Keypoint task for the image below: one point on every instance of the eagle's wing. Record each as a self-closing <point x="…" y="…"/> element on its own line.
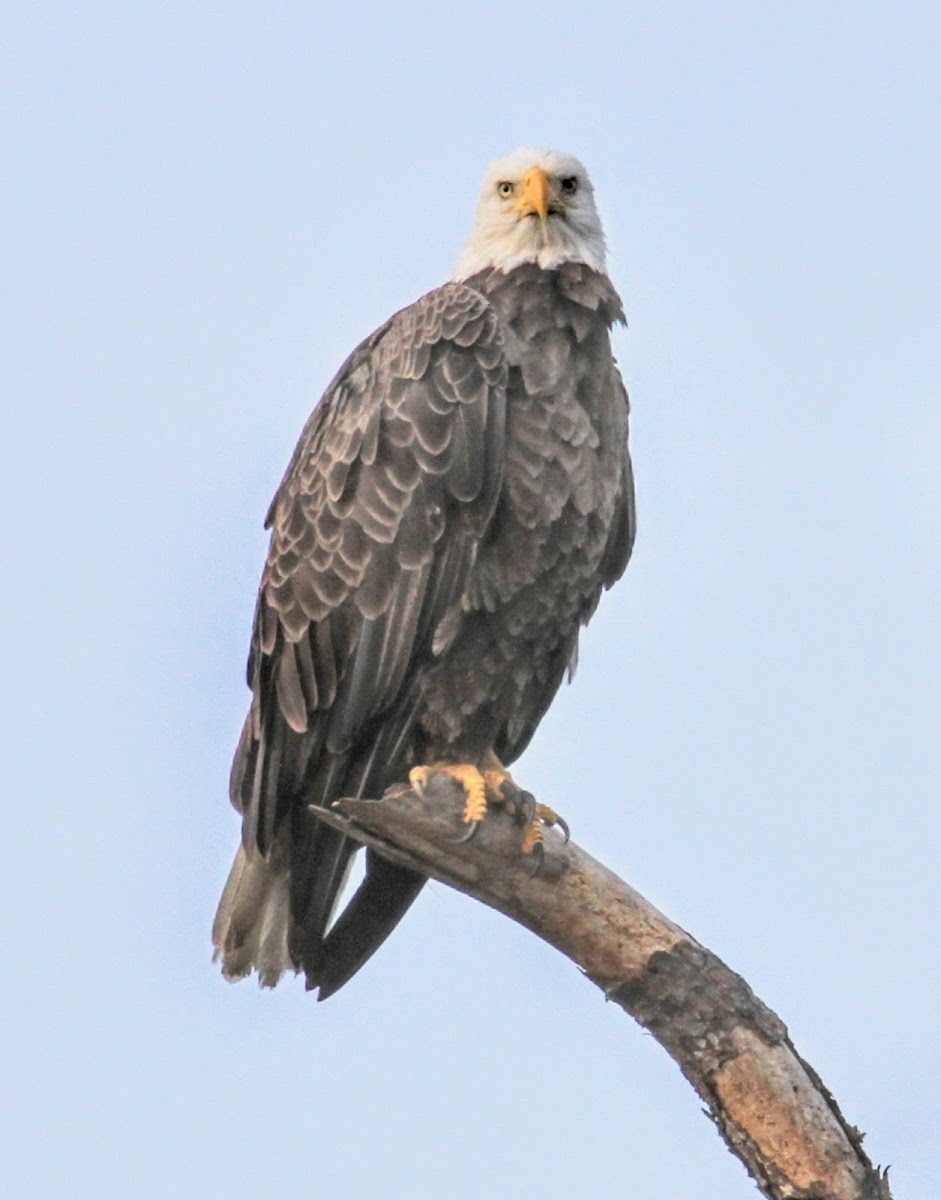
<point x="624" y="528"/>
<point x="374" y="531"/>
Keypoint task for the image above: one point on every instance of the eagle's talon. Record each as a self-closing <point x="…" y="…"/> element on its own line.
<point x="522" y="803"/>
<point x="529" y="807"/>
<point x="468" y="834"/>
<point x="418" y="779"/>
<point x="549" y="817"/>
<point x="538" y="853"/>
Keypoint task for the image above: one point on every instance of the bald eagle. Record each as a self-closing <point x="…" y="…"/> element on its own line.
<point x="456" y="504"/>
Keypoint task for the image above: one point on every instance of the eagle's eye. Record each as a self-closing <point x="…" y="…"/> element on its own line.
<point x="505" y="189"/>
<point x="569" y="185"/>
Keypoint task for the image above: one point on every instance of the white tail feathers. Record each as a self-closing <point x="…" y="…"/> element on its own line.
<point x="250" y="932"/>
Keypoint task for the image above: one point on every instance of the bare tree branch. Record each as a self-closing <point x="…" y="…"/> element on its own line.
<point x="768" y="1104"/>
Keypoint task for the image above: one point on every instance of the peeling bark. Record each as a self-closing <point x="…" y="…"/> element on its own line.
<point x="770" y="1107"/>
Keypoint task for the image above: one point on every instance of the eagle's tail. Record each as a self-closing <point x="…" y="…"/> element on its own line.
<point x="278" y="910"/>
<point x="254" y="930"/>
<point x="250" y="931"/>
<point x="380" y="902"/>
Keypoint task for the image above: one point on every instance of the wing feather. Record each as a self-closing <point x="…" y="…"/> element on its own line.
<point x="624" y="530"/>
<point x="374" y="530"/>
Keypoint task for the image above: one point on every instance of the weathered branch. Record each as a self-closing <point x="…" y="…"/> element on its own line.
<point x="768" y="1104"/>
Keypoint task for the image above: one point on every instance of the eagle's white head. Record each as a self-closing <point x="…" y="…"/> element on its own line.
<point x="535" y="206"/>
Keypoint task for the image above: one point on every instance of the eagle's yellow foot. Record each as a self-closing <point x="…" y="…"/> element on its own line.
<point x="494" y="785"/>
<point x="476" y="785"/>
<point x="494" y="779"/>
<point x="534" y="837"/>
<point x="505" y="792"/>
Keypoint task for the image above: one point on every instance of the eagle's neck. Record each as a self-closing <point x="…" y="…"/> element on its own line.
<point x="531" y="241"/>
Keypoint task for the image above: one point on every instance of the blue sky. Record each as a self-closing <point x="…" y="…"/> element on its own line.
<point x="206" y="207"/>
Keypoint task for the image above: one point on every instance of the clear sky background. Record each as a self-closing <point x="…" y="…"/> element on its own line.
<point x="204" y="208"/>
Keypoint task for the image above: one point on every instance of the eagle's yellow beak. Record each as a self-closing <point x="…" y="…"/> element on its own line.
<point x="535" y="197"/>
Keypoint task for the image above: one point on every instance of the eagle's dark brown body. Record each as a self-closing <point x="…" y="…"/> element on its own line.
<point x="564" y="523"/>
<point x="454" y="508"/>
